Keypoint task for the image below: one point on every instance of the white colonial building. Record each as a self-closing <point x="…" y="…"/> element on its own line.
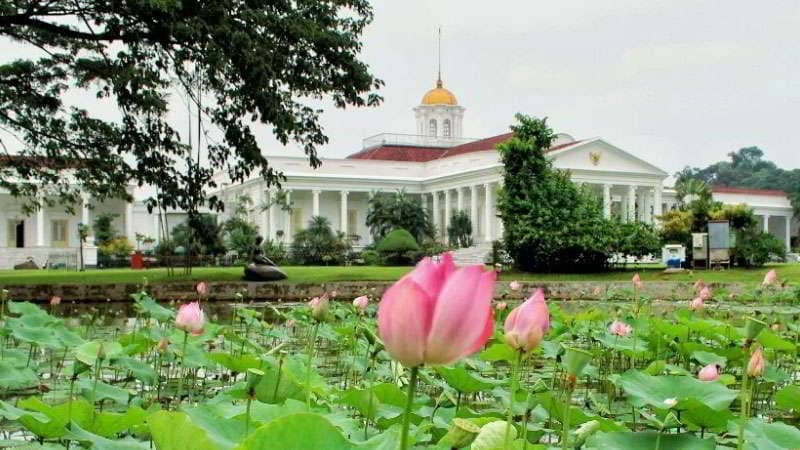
<point x="445" y="170"/>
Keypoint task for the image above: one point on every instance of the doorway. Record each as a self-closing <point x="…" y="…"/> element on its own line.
<point x="16" y="233"/>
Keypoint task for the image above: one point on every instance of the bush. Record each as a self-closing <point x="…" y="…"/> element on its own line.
<point x="371" y="258"/>
<point x="240" y="235"/>
<point x="550" y="223"/>
<point x="637" y="239"/>
<point x="754" y="248"/>
<point x="398" y="248"/>
<point x="390" y="212"/>
<point x="275" y="251"/>
<point x="318" y="244"/>
<point x="118" y="247"/>
<point x="460" y="230"/>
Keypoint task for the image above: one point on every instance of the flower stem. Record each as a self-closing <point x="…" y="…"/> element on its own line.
<point x="412" y="387"/>
<point x="514" y="387"/>
<point x="744" y="407"/>
<point x="565" y="428"/>
<point x="311" y="347"/>
<point x="183" y="363"/>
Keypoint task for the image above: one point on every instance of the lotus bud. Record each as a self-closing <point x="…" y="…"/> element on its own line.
<point x="697" y="304"/>
<point x="527" y="324"/>
<point x="319" y="307"/>
<point x="202" y="288"/>
<point x="770" y="278"/>
<point x="501" y="306"/>
<point x="637" y="281"/>
<point x="361" y="303"/>
<point x="462" y="433"/>
<point x="515" y="285"/>
<point x="162" y="345"/>
<point x="190" y="318"/>
<point x="709" y="373"/>
<point x="55" y="300"/>
<point x="757" y="363"/>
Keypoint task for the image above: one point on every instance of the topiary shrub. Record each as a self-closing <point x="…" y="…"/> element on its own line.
<point x="398" y="247"/>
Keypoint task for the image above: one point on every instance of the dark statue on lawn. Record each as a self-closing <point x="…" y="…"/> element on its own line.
<point x="260" y="268"/>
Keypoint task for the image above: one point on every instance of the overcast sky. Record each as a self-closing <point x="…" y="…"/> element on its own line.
<point x="674" y="82"/>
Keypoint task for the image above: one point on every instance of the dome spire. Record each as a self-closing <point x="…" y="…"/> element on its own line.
<point x="439" y="77"/>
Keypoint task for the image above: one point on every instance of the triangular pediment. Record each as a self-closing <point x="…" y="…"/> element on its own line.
<point x="599" y="155"/>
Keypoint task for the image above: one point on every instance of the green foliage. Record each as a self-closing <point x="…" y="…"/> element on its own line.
<point x="740" y="217"/>
<point x="676" y="227"/>
<point x="104" y="230"/>
<point x="398" y="210"/>
<point x="398" y="248"/>
<point x="118" y="247"/>
<point x="242" y="65"/>
<point x="550" y="223"/>
<point x="318" y="244"/>
<point x="201" y="236"/>
<point x="240" y="235"/>
<point x="755" y="248"/>
<point x="460" y="230"/>
<point x="637" y="239"/>
<point x="275" y="251"/>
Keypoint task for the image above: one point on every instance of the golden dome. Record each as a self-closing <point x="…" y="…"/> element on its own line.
<point x="439" y="96"/>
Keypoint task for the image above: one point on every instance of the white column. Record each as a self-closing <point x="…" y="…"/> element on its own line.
<point x="631" y="204"/>
<point x="315" y="202"/>
<point x="766" y="223"/>
<point x="271" y="225"/>
<point x="263" y="201"/>
<point x="287" y="233"/>
<point x="644" y="206"/>
<point x="129" y="221"/>
<point x="488" y="212"/>
<point x="459" y="199"/>
<point x="85" y="209"/>
<point x="446" y="213"/>
<point x="40" y="224"/>
<point x="657" y="203"/>
<point x="343" y="211"/>
<point x="788" y="235"/>
<point x="436" y="214"/>
<point x="606" y="201"/>
<point x="473" y="210"/>
<point x="156" y="227"/>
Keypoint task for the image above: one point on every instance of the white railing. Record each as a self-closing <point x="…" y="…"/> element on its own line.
<point x="412" y="140"/>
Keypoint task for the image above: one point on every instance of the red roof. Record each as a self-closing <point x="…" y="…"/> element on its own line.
<point x="424" y="154"/>
<point x="736" y="190"/>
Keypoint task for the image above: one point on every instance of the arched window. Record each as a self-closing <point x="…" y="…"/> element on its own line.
<point x="446" y="128"/>
<point x="432" y="128"/>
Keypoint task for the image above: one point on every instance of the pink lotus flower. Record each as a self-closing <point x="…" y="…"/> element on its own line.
<point x="709" y="373"/>
<point x="437" y="314"/>
<point x="55" y="300"/>
<point x="515" y="285"/>
<point x="334" y="294"/>
<point x="162" y="345"/>
<point x="501" y="306"/>
<point x="319" y="306"/>
<point x="705" y="293"/>
<point x="361" y="303"/>
<point x="621" y="329"/>
<point x="770" y="278"/>
<point x="527" y="324"/>
<point x="699" y="284"/>
<point x="757" y="363"/>
<point x="637" y="281"/>
<point x="202" y="288"/>
<point x="190" y="319"/>
<point x="697" y="304"/>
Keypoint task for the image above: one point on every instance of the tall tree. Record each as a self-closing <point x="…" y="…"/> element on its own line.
<point x="240" y="63"/>
<point x="398" y="211"/>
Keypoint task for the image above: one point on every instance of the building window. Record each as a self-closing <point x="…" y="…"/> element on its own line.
<point x="446" y="128"/>
<point x="60" y="235"/>
<point x="15" y="233"/>
<point x="432" y="128"/>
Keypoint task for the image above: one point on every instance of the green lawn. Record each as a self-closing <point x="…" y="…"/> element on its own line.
<point x="302" y="274"/>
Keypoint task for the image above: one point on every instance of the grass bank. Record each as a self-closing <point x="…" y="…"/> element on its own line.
<point x="306" y="274"/>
